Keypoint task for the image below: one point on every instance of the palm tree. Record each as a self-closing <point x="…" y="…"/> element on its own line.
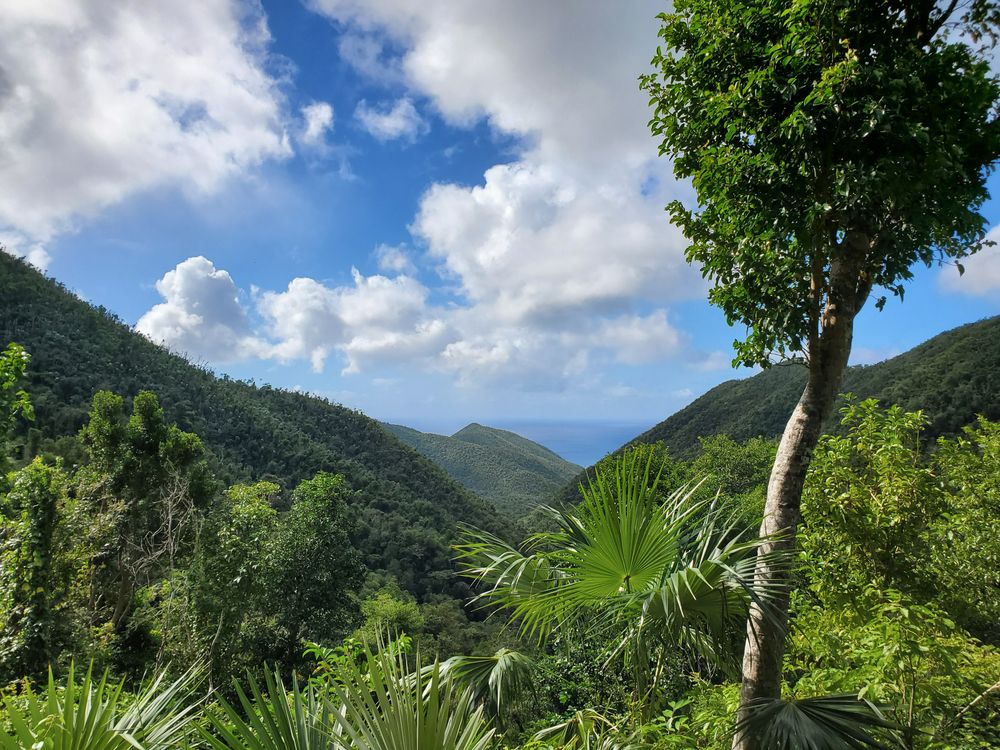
<point x="384" y="705"/>
<point x="272" y="719"/>
<point x="497" y="681"/>
<point x="654" y="572"/>
<point x="97" y="715"/>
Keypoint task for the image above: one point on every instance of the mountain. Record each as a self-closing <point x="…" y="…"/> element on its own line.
<point x="951" y="377"/>
<point x="409" y="507"/>
<point x="512" y="472"/>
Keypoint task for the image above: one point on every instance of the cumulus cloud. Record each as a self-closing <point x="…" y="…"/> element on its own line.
<point x="561" y="71"/>
<point x="16" y="244"/>
<point x="201" y="314"/>
<point x="99" y="101"/>
<point x="555" y="264"/>
<point x="378" y="322"/>
<point x="376" y="319"/>
<point x="317" y="119"/>
<point x="562" y="256"/>
<point x="982" y="271"/>
<point x="530" y="245"/>
<point x="399" y="121"/>
<point x="394" y="258"/>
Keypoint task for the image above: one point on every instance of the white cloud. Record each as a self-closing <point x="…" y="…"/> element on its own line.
<point x="19" y="246"/>
<point x="377" y="319"/>
<point x="982" y="271"/>
<point x="201" y="314"/>
<point x="394" y="258"/>
<point x="636" y="339"/>
<point x="532" y="246"/>
<point x="366" y="54"/>
<point x="561" y="71"/>
<point x="378" y="322"/>
<point x="559" y="256"/>
<point x="99" y="101"/>
<point x="558" y="263"/>
<point x="387" y="123"/>
<point x="317" y="120"/>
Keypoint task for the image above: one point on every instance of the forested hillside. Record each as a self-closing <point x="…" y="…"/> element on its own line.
<point x="510" y="471"/>
<point x="951" y="378"/>
<point x="409" y="506"/>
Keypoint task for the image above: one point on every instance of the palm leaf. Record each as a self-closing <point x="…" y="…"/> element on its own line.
<point x="833" y="722"/>
<point x="626" y="561"/>
<point x="386" y="706"/>
<point x="586" y="729"/>
<point x="90" y="715"/>
<point x="271" y="719"/>
<point x="497" y="679"/>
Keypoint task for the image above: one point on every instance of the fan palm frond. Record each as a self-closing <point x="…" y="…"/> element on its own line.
<point x="832" y="722"/>
<point x="497" y="679"/>
<point x="626" y="558"/>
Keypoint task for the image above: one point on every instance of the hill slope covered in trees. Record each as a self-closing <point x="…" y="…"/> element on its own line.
<point x="512" y="472"/>
<point x="951" y="377"/>
<point x="410" y="507"/>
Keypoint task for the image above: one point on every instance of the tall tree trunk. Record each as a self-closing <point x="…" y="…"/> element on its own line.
<point x="830" y="350"/>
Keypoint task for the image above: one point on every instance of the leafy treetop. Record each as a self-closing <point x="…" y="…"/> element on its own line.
<point x="807" y="125"/>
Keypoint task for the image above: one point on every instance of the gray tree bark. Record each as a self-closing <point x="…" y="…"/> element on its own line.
<point x="829" y="351"/>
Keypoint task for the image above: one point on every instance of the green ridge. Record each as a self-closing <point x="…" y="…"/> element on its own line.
<point x="951" y="377"/>
<point x="409" y="507"/>
<point x="512" y="472"/>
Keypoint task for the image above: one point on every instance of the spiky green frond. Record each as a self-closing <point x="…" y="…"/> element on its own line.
<point x="384" y="705"/>
<point x="586" y="729"/>
<point x="272" y="719"/>
<point x="95" y="714"/>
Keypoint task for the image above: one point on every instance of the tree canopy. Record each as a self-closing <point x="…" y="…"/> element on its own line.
<point x="810" y="128"/>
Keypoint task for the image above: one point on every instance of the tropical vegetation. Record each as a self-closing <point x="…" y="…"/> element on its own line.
<point x="195" y="562"/>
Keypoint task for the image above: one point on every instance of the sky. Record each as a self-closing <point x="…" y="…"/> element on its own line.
<point x="435" y="212"/>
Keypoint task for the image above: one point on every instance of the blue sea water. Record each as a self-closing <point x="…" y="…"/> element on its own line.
<point x="581" y="442"/>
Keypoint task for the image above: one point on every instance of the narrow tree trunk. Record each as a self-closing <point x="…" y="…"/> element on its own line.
<point x="123" y="601"/>
<point x="830" y="350"/>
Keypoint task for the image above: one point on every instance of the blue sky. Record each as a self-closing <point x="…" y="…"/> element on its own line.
<point x="436" y="212"/>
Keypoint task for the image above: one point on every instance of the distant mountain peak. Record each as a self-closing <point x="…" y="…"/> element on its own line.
<point x="516" y="474"/>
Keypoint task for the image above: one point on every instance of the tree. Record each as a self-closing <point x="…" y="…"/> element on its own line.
<point x="143" y="482"/>
<point x="832" y="146"/>
<point x="27" y="637"/>
<point x="14" y="401"/>
<point x="318" y="569"/>
<point x="652" y="574"/>
<point x="231" y="574"/>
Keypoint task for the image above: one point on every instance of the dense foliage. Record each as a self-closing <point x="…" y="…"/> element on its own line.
<point x="510" y="471"/>
<point x="951" y="378"/>
<point x="625" y="615"/>
<point x="407" y="508"/>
